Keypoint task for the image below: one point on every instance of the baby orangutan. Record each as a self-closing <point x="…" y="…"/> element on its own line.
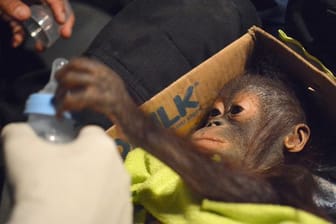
<point x="254" y="122"/>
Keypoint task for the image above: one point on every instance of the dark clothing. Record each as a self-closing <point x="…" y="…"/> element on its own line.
<point x="313" y="24"/>
<point x="150" y="44"/>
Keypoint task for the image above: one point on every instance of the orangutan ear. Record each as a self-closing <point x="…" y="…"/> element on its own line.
<point x="296" y="140"/>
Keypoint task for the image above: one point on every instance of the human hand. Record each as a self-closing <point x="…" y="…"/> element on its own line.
<point x="15" y="12"/>
<point x="80" y="182"/>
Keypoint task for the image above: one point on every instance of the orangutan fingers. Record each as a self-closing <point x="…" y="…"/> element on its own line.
<point x="85" y="65"/>
<point x="74" y="79"/>
<point x="79" y="99"/>
<point x="95" y="68"/>
<point x="73" y="66"/>
<point x="69" y="101"/>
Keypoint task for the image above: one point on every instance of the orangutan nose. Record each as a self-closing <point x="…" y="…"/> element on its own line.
<point x="214" y="122"/>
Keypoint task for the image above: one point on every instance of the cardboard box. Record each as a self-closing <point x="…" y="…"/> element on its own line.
<point x="182" y="105"/>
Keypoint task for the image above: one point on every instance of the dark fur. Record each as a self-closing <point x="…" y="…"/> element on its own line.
<point x="261" y="176"/>
<point x="264" y="176"/>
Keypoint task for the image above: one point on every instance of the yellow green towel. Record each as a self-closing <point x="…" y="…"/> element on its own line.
<point x="162" y="193"/>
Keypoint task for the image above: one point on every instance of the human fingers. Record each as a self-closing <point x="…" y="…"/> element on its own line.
<point x="39" y="46"/>
<point x="18" y="33"/>
<point x="17" y="30"/>
<point x="64" y="16"/>
<point x="58" y="9"/>
<point x="66" y="28"/>
<point x="15" y="9"/>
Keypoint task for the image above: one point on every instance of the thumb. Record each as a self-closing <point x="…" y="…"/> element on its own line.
<point x="15" y="9"/>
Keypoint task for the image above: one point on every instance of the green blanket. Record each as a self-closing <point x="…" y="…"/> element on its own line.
<point x="162" y="193"/>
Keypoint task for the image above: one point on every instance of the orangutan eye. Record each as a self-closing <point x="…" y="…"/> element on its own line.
<point x="236" y="109"/>
<point x="214" y="112"/>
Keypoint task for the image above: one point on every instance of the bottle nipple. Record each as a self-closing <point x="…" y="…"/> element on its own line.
<point x="51" y="86"/>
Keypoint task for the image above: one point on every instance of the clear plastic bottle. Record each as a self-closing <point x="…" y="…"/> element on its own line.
<point x="41" y="112"/>
<point x="42" y="25"/>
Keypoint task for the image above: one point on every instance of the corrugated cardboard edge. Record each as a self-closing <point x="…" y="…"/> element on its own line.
<point x="295" y="64"/>
<point x="205" y="80"/>
<point x="206" y="83"/>
<point x="298" y="59"/>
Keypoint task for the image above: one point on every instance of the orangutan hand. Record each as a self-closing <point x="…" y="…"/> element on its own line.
<point x="88" y="84"/>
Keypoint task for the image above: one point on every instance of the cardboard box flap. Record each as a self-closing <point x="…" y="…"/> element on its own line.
<point x="320" y="85"/>
<point x="184" y="103"/>
<point x="201" y="86"/>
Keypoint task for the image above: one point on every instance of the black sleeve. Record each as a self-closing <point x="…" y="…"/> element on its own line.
<point x="152" y="43"/>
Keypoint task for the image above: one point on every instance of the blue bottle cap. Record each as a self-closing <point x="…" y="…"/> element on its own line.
<point x="41" y="103"/>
